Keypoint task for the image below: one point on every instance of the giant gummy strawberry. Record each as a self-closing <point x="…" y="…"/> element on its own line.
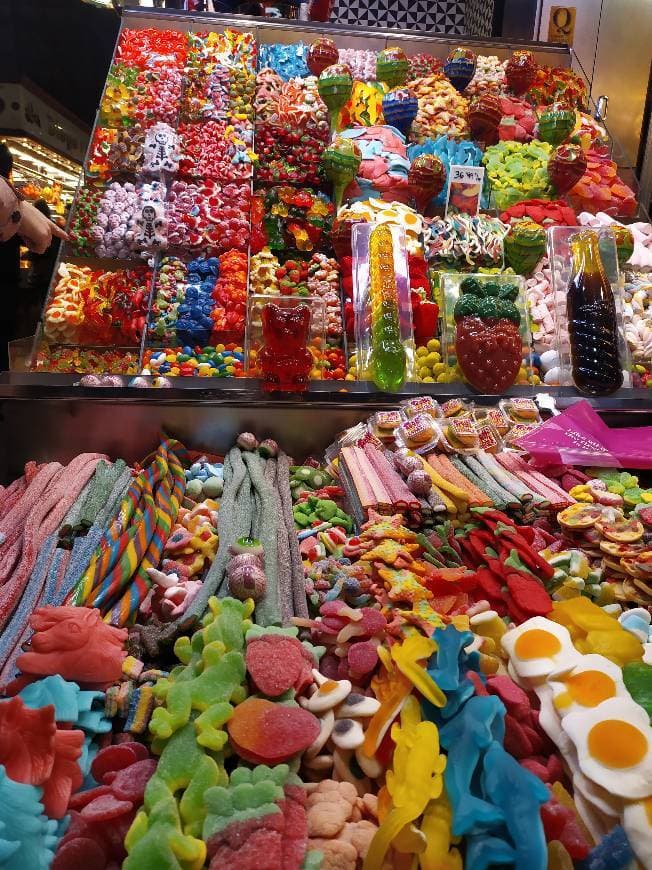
<point x="488" y="342"/>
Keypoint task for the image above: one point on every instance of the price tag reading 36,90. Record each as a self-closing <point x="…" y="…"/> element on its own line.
<point x="464" y="189"/>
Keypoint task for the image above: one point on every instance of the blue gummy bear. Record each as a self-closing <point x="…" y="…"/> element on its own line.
<point x="466" y="737"/>
<point x="611" y="853"/>
<point x="28" y="839"/>
<point x="519" y="795"/>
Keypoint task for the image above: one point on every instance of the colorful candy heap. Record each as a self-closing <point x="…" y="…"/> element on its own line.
<point x="455" y="676"/>
<point x="90" y="306"/>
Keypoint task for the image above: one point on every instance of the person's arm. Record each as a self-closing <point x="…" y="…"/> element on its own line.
<point x="21" y="217"/>
<point x="10" y="211"/>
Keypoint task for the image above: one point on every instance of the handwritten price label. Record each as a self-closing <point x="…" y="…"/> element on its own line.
<point x="464" y="189"/>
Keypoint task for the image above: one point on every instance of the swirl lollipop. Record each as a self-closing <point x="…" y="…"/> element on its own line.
<point x="400" y="108"/>
<point x="520" y="72"/>
<point x="567" y="164"/>
<point x="340" y="161"/>
<point x="485" y="114"/>
<point x="392" y="67"/>
<point x="335" y="86"/>
<point x="556" y="124"/>
<point x="321" y="54"/>
<point x="341" y="235"/>
<point x="426" y="180"/>
<point x="459" y="68"/>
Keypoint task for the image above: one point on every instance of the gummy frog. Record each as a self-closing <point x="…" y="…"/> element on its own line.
<point x="285" y="360"/>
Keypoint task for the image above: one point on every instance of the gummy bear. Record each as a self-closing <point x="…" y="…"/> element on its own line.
<point x="285" y="360"/>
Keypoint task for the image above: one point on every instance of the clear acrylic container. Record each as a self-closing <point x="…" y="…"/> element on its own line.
<point x="450" y="283"/>
<point x="559" y="256"/>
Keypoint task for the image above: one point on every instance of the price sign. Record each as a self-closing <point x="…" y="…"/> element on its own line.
<point x="561" y="24"/>
<point x="464" y="189"/>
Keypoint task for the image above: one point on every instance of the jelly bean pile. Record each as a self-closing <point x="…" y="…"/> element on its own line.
<point x="293" y="665"/>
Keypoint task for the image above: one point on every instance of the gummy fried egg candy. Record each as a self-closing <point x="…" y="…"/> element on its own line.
<point x="637" y="822"/>
<point x="614" y="746"/>
<point x="593" y="680"/>
<point x="537" y="648"/>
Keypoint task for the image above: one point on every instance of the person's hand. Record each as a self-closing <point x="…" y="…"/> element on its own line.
<point x="36" y="230"/>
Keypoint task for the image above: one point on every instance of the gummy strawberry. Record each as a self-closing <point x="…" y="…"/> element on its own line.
<point x="488" y="342"/>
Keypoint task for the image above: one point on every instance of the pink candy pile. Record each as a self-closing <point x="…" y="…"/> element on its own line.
<point x="207" y="216"/>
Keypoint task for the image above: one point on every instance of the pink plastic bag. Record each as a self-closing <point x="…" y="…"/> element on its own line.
<point x="578" y="436"/>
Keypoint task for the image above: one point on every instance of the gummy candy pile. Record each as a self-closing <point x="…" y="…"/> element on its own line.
<point x="402" y="652"/>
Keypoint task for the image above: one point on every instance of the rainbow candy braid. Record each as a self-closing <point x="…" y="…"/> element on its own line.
<point x="168" y="499"/>
<point x="111" y="546"/>
<point x="122" y="555"/>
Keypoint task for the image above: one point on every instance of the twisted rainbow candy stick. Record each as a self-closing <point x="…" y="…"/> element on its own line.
<point x="151" y="504"/>
<point x="388" y="359"/>
<point x="168" y="499"/>
<point x="113" y="544"/>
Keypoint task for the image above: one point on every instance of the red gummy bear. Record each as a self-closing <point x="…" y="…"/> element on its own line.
<point x="285" y="360"/>
<point x="75" y="643"/>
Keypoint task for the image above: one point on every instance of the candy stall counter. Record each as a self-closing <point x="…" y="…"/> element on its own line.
<point x="233" y="159"/>
<point x="325" y="538"/>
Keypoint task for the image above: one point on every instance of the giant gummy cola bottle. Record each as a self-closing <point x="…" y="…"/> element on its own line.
<point x="592" y="325"/>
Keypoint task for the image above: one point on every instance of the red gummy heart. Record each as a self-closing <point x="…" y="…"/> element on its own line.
<point x="130" y="782"/>
<point x="112" y="758"/>
<point x="104" y="808"/>
<point x="278" y="663"/>
<point x="80" y="852"/>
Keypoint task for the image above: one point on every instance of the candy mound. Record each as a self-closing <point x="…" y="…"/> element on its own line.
<point x="441" y="109"/>
<point x="383" y="172"/>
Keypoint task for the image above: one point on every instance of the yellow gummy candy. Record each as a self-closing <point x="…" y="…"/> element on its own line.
<point x="415" y="780"/>
<point x="409" y="656"/>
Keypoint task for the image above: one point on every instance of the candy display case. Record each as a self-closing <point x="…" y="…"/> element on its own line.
<point x="210" y="163"/>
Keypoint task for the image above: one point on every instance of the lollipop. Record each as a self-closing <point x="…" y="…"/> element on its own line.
<point x="341" y="235"/>
<point x="321" y="54"/>
<point x="485" y="114"/>
<point x="426" y="180"/>
<point x="624" y="243"/>
<point x="525" y="244"/>
<point x="567" y="164"/>
<point x="520" y="71"/>
<point x="556" y="124"/>
<point x="392" y="67"/>
<point x="335" y="86"/>
<point x="460" y="67"/>
<point x="400" y="108"/>
<point x="341" y="160"/>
